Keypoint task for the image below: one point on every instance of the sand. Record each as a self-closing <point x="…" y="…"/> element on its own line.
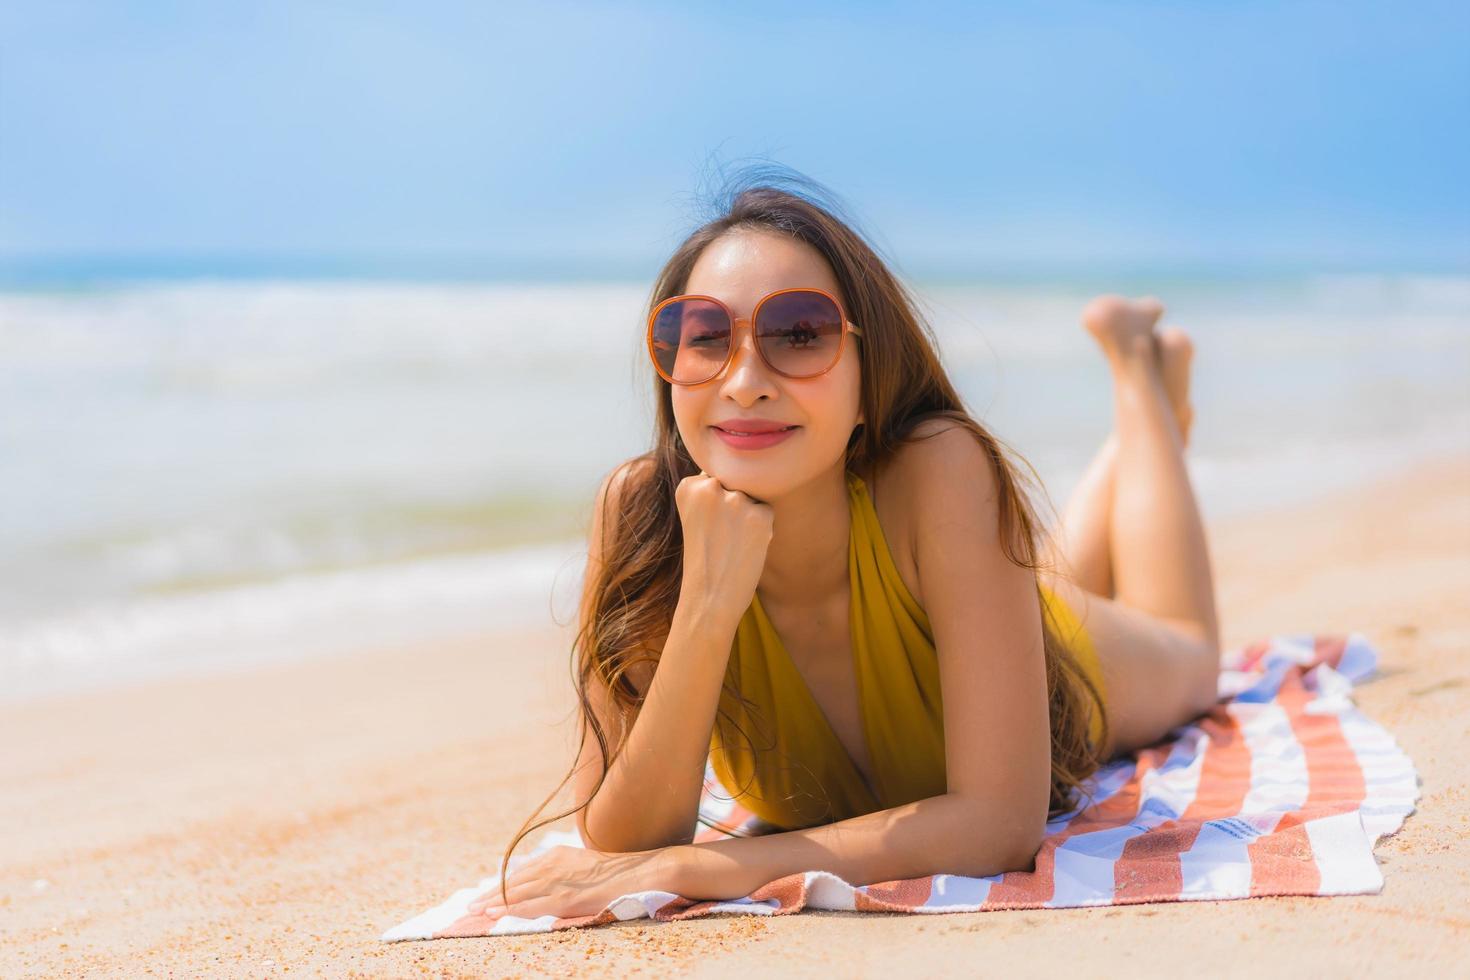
<point x="277" y="820"/>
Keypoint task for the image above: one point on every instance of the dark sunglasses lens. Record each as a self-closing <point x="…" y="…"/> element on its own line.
<point x="691" y="339"/>
<point x="800" y="332"/>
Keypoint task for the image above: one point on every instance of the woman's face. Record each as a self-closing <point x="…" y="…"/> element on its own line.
<point x="740" y="268"/>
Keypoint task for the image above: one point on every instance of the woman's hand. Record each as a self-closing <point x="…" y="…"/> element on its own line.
<point x="726" y="534"/>
<point x="573" y="881"/>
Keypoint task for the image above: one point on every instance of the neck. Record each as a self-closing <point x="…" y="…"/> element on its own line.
<point x="806" y="560"/>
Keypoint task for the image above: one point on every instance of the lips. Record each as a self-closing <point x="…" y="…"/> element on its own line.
<point x="752" y="427"/>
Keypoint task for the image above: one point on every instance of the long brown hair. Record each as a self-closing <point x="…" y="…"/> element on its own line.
<point x="631" y="601"/>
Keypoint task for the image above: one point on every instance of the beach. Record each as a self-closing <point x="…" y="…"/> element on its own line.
<point x="274" y="819"/>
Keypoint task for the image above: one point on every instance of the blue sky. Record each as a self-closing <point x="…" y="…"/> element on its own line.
<point x="962" y="136"/>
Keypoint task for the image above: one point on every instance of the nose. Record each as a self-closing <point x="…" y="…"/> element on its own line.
<point x="746" y="376"/>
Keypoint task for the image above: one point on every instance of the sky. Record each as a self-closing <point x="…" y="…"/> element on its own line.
<point x="470" y="137"/>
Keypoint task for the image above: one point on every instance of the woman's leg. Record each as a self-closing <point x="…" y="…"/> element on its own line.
<point x="1085" y="532"/>
<point x="1157" y="639"/>
<point x="1160" y="560"/>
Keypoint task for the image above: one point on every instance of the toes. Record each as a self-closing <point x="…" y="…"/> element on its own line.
<point x="1176" y="350"/>
<point x="1113" y="312"/>
<point x="1173" y="341"/>
<point x="1103" y="311"/>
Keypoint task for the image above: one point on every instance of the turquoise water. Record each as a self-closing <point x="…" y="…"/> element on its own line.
<point x="203" y="471"/>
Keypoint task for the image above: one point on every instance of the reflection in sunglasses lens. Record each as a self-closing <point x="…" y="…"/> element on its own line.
<point x="691" y="339"/>
<point x="799" y="332"/>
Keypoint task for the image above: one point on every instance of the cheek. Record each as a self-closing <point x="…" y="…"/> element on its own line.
<point x="852" y="391"/>
<point x="688" y="410"/>
<point x="835" y="410"/>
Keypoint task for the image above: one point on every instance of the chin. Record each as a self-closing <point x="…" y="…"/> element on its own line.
<point x="748" y="478"/>
<point x="763" y="479"/>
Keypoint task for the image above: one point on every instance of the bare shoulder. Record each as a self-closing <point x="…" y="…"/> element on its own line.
<point x="610" y="493"/>
<point x="940" y="438"/>
<point x="608" y="512"/>
<point x="942" y="460"/>
<point x="610" y="506"/>
<point x="939" y="476"/>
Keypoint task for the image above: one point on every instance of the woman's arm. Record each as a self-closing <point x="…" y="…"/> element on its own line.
<point x="650" y="797"/>
<point x="943" y="834"/>
<point x="939" y="834"/>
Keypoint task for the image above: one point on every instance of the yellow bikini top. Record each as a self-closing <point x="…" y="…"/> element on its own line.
<point x="790" y="768"/>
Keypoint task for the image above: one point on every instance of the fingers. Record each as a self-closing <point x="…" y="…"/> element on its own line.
<point x="514" y="891"/>
<point x="521" y="910"/>
<point x="483" y="902"/>
<point x="563" y="907"/>
<point x="526" y="908"/>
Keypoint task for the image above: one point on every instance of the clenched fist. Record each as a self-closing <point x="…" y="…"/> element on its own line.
<point x="726" y="534"/>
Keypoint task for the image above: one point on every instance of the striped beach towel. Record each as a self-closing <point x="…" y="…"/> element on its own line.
<point x="1283" y="788"/>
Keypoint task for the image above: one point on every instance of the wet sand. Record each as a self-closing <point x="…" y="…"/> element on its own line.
<point x="275" y="821"/>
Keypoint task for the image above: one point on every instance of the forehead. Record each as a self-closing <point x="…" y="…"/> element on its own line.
<point x="742" y="266"/>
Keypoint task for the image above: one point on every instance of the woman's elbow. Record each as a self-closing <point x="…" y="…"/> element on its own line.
<point x="1012" y="848"/>
<point x="1022" y="856"/>
<point x="1026" y="841"/>
<point x="1010" y="855"/>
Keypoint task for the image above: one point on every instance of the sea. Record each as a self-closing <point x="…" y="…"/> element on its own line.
<point x="206" y="474"/>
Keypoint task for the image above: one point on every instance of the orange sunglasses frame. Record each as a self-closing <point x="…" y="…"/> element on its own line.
<point x="847" y="327"/>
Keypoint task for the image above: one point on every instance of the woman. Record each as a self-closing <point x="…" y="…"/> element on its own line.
<point x="858" y="619"/>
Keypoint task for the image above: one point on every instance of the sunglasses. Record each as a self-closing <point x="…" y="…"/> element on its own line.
<point x="799" y="333"/>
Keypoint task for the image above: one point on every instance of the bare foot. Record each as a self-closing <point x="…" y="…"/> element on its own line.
<point x="1124" y="329"/>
